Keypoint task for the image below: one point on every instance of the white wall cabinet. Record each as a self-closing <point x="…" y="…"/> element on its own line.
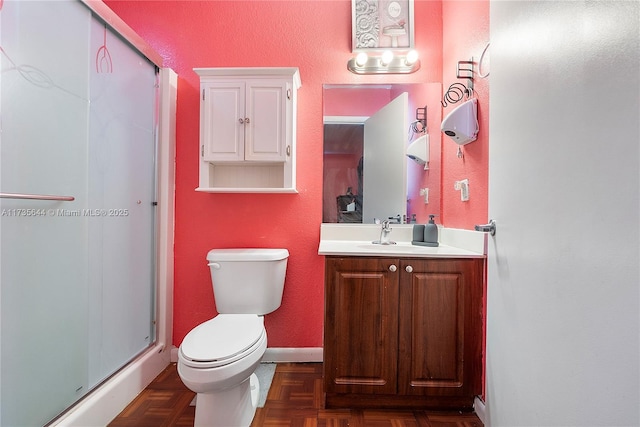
<point x="248" y="129"/>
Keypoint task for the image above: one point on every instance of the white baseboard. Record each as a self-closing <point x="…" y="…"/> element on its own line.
<point x="290" y="354"/>
<point x="479" y="408"/>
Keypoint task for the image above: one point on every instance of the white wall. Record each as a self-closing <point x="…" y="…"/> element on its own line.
<point x="563" y="293"/>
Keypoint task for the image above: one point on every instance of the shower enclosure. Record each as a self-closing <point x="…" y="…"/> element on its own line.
<point x="78" y="198"/>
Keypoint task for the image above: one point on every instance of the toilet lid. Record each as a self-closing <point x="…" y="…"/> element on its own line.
<point x="247" y="254"/>
<point x="222" y="337"/>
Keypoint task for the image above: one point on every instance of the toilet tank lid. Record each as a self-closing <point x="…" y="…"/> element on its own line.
<point x="247" y="254"/>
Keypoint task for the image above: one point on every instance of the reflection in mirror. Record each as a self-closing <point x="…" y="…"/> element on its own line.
<point x="343" y="167"/>
<point x="367" y="175"/>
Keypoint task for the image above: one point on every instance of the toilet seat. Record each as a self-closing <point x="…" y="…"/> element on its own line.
<point x="222" y="340"/>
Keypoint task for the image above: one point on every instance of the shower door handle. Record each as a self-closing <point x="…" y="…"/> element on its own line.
<point x="36" y="197"/>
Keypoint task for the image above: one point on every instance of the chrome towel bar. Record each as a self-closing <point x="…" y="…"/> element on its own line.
<point x="36" y="197"/>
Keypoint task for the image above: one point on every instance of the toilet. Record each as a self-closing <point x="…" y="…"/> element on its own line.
<point x="217" y="359"/>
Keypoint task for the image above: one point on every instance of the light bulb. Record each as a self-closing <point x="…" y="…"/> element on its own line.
<point x="386" y="58"/>
<point x="412" y="57"/>
<point x="361" y="59"/>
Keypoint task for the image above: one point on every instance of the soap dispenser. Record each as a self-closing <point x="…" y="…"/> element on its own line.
<point x="431" y="232"/>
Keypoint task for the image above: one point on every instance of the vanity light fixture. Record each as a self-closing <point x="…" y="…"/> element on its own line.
<point x="386" y="62"/>
<point x="386" y="58"/>
<point x="411" y="58"/>
<point x="361" y="59"/>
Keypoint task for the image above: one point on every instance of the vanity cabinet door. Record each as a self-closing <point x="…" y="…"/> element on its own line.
<point x="440" y="347"/>
<point x="361" y="325"/>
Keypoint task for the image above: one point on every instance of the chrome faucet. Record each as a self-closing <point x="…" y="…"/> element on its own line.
<point x="384" y="234"/>
<point x="396" y="219"/>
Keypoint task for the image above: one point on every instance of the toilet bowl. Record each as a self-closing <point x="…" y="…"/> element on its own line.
<point x="217" y="359"/>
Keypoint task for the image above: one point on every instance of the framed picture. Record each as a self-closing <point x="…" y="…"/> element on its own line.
<point x="381" y="25"/>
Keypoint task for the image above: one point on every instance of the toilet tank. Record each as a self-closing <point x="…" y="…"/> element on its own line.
<point x="247" y="281"/>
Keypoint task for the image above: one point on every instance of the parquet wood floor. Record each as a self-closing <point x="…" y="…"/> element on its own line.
<point x="295" y="399"/>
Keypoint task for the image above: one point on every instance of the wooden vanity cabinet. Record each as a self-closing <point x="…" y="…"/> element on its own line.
<point x="403" y="332"/>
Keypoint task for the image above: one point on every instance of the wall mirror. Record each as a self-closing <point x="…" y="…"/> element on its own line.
<point x="367" y="174"/>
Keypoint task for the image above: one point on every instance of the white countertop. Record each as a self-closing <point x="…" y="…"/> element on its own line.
<point x="356" y="240"/>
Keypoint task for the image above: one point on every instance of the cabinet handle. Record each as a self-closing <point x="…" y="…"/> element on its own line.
<point x="246" y="120"/>
<point x="288" y="150"/>
<point x="392" y="268"/>
<point x="241" y="120"/>
<point x="288" y="93"/>
<point x="408" y="269"/>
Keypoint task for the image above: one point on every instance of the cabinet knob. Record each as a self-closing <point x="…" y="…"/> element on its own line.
<point x="246" y="120"/>
<point x="408" y="269"/>
<point x="392" y="268"/>
<point x="241" y="120"/>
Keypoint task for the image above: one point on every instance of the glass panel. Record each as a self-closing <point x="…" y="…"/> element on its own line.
<point x="76" y="277"/>
<point x="43" y="261"/>
<point x="121" y="195"/>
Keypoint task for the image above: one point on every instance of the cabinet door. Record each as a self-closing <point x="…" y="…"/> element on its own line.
<point x="361" y="326"/>
<point x="266" y="131"/>
<point x="222" y="121"/>
<point x="440" y="327"/>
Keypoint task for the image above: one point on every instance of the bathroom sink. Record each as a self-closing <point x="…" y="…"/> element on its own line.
<point x="357" y="240"/>
<point x="367" y="248"/>
<point x="379" y="246"/>
<point x="400" y="248"/>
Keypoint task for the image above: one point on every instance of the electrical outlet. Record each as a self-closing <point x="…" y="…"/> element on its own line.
<point x="463" y="187"/>
<point x="425" y="193"/>
<point x="464" y="190"/>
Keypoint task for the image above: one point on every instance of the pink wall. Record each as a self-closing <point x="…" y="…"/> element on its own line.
<point x="312" y="35"/>
<point x="208" y="34"/>
<point x="465" y="34"/>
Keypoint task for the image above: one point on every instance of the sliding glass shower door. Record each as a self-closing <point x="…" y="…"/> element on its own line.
<point x="77" y="177"/>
